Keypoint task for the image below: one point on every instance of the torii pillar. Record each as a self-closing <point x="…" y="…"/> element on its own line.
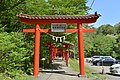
<point x="36" y="50"/>
<point x="81" y="30"/>
<point x="81" y="49"/>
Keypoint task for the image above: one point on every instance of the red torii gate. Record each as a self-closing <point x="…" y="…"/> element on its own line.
<point x="53" y="50"/>
<point x="66" y="53"/>
<point x="38" y="20"/>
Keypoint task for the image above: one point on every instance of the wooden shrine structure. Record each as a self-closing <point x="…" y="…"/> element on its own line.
<point x="54" y="52"/>
<point x="49" y="19"/>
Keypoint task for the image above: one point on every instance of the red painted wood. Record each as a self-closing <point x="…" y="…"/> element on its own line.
<point x="56" y="51"/>
<point x="67" y="57"/>
<point x="50" y="53"/>
<point x="63" y="53"/>
<point x="28" y="30"/>
<point x="67" y="30"/>
<point x="81" y="49"/>
<point x="87" y="30"/>
<point x="71" y="30"/>
<point x="36" y="50"/>
<point x="47" y="30"/>
<point x="66" y="53"/>
<point x="49" y="21"/>
<point x="53" y="51"/>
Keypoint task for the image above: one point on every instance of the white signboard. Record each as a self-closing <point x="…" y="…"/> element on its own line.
<point x="58" y="27"/>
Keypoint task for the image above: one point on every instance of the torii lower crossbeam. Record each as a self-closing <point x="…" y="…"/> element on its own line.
<point x="48" y="30"/>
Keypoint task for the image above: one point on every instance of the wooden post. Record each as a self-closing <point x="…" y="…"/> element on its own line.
<point x="36" y="50"/>
<point x="50" y="53"/>
<point x="56" y="51"/>
<point x="81" y="49"/>
<point x="67" y="56"/>
<point x="62" y="52"/>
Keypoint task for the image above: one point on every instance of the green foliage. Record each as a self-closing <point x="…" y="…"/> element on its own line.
<point x="105" y="41"/>
<point x="67" y="7"/>
<point x="117" y="28"/>
<point x="20" y="77"/>
<point x="99" y="44"/>
<point x="106" y="29"/>
<point x="13" y="54"/>
<point x="9" y="10"/>
<point x="89" y="44"/>
<point x="103" y="45"/>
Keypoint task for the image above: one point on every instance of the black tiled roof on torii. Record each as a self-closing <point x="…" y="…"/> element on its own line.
<point x="58" y="16"/>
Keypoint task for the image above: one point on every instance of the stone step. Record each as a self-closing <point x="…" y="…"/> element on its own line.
<point x="53" y="71"/>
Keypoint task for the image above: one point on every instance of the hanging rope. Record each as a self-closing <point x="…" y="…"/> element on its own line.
<point x="56" y="38"/>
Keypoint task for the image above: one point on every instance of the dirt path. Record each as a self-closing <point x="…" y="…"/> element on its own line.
<point x="60" y="72"/>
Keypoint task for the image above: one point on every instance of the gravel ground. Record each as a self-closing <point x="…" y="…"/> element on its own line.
<point x="60" y="73"/>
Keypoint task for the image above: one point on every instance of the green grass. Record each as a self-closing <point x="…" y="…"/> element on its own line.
<point x="21" y="77"/>
<point x="74" y="64"/>
<point x="88" y="71"/>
